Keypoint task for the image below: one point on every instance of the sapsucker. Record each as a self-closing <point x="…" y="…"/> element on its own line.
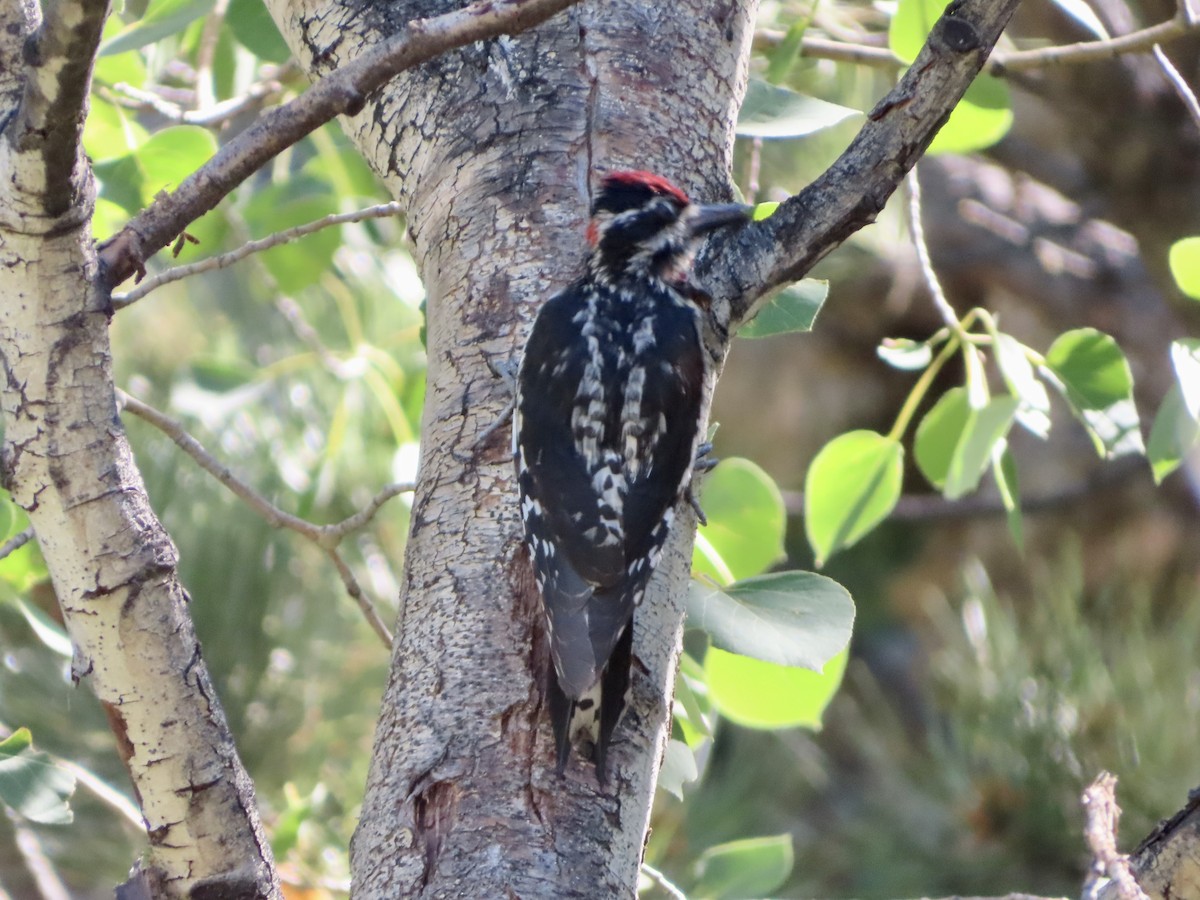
<point x="608" y="414"/>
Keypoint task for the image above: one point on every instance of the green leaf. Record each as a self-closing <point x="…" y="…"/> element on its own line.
<point x="255" y="30"/>
<point x="171" y="155"/>
<point x="905" y="354"/>
<point x="782" y="58"/>
<point x="788" y="618"/>
<point x="1004" y="470"/>
<point x="164" y="17"/>
<point x="1184" y="260"/>
<point x="1185" y="358"/>
<point x="31" y="784"/>
<point x="109" y="133"/>
<point x="757" y="694"/>
<point x="1012" y="357"/>
<point x="746" y="519"/>
<point x="692" y="708"/>
<point x="794" y="308"/>
<point x="1088" y="368"/>
<point x="297" y="264"/>
<point x="47" y="630"/>
<point x="678" y="768"/>
<point x="1091" y="367"/>
<point x="911" y="24"/>
<point x="985" y="431"/>
<point x="1174" y="434"/>
<point x="773" y="112"/>
<point x="955" y="442"/>
<point x="938" y="435"/>
<point x="753" y="867"/>
<point x="980" y="119"/>
<point x="764" y="210"/>
<point x="851" y="486"/>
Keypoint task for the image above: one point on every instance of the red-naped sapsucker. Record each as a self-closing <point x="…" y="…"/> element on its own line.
<point x="607" y="428"/>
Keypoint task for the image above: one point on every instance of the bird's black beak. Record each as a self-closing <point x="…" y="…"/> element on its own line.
<point x="709" y="218"/>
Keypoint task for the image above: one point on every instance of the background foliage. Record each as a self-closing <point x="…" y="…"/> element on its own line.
<point x="1001" y="657"/>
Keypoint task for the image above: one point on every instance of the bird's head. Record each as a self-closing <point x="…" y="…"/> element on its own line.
<point x="643" y="225"/>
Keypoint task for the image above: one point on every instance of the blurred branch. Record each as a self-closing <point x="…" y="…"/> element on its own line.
<point x="343" y="92"/>
<point x="1186" y="94"/>
<point x="16" y="542"/>
<point x="1100" y="831"/>
<point x="120" y="301"/>
<point x="662" y="882"/>
<point x="257" y="96"/>
<point x="1001" y="62"/>
<point x="327" y="537"/>
<point x="49" y="885"/>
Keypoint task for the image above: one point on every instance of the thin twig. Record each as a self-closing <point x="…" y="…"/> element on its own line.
<point x="1186" y="94"/>
<point x="16" y="542"/>
<point x="1100" y="830"/>
<point x="1001" y="62"/>
<point x="327" y="537"/>
<point x="917" y="231"/>
<point x="215" y="116"/>
<point x="662" y="882"/>
<point x="120" y="301"/>
<point x="342" y="92"/>
<point x="354" y="589"/>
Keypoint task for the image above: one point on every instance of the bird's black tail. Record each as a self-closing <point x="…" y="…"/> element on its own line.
<point x="599" y="715"/>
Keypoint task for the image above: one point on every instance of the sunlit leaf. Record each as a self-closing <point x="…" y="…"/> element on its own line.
<point x="980" y="119"/>
<point x="1184" y="260"/>
<point x="794" y="308"/>
<point x="297" y="264"/>
<point x="938" y="435"/>
<point x="911" y="24"/>
<point x="1091" y="367"/>
<point x="164" y="17"/>
<point x="1173" y="436"/>
<point x="757" y="694"/>
<point x="986" y="429"/>
<point x="754" y="867"/>
<point x="905" y="354"/>
<point x="746" y="519"/>
<point x="788" y="618"/>
<point x="110" y="132"/>
<point x="851" y="487"/>
<point x="1185" y="358"/>
<point x="770" y="111"/>
<point x="1012" y="358"/>
<point x="46" y="629"/>
<point x="1090" y="371"/>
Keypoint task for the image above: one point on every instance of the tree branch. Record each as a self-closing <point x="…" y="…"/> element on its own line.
<point x="224" y="260"/>
<point x="327" y="537"/>
<point x="343" y="92"/>
<point x="739" y="268"/>
<point x="1001" y="62"/>
<point x="47" y="133"/>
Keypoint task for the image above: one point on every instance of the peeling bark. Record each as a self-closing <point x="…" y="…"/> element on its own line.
<point x="67" y="463"/>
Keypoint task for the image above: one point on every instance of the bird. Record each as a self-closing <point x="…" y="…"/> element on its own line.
<point x="608" y="415"/>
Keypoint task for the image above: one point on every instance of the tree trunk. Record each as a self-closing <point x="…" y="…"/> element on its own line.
<point x="495" y="149"/>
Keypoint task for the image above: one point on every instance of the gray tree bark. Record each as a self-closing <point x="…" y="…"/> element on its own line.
<point x="495" y="149"/>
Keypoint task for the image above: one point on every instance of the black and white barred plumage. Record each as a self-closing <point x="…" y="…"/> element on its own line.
<point x="609" y="399"/>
